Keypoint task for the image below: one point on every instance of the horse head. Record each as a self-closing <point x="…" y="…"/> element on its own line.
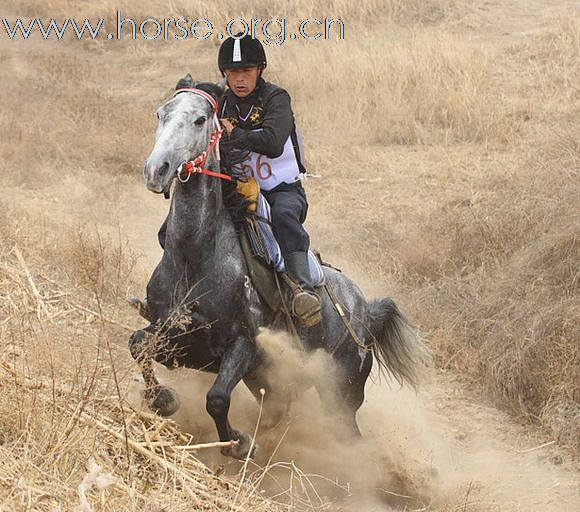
<point x="186" y="123"/>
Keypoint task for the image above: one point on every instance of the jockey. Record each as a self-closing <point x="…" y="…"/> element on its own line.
<point x="258" y="120"/>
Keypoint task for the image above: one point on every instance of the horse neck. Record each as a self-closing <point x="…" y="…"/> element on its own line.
<point x="197" y="214"/>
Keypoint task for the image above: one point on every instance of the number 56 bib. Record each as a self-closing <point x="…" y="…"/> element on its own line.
<point x="270" y="172"/>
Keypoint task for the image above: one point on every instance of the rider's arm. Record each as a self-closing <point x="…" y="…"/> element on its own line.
<point x="277" y="125"/>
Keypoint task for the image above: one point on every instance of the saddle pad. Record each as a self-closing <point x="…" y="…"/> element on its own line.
<point x="273" y="248"/>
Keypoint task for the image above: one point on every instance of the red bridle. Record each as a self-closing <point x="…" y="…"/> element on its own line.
<point x="197" y="165"/>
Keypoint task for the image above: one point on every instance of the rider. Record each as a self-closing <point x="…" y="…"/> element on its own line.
<point x="257" y="117"/>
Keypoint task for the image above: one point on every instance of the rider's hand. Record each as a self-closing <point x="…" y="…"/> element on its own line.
<point x="228" y="126"/>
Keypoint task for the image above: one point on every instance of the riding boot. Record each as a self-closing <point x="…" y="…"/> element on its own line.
<point x="306" y="304"/>
<point x="141" y="306"/>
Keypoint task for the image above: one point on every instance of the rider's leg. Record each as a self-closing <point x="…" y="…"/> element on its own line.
<point x="288" y="209"/>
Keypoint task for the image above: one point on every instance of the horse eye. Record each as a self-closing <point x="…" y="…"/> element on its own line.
<point x="199" y="121"/>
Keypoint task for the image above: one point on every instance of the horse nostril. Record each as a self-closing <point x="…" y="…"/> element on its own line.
<point x="163" y="169"/>
<point x="154" y="174"/>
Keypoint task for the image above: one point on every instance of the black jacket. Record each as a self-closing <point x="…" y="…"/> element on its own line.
<point x="268" y="107"/>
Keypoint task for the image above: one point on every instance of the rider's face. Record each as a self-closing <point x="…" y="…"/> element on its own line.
<point x="243" y="81"/>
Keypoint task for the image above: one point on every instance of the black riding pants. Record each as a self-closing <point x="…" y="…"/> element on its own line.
<point x="289" y="207"/>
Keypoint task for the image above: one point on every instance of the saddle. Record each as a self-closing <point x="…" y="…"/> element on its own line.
<point x="262" y="251"/>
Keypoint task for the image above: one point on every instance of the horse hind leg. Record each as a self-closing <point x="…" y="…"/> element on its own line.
<point x="346" y="395"/>
<point x="276" y="402"/>
<point x="340" y="406"/>
<point x="352" y="395"/>
<point x="161" y="399"/>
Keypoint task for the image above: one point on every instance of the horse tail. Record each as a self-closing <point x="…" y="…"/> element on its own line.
<point x="396" y="345"/>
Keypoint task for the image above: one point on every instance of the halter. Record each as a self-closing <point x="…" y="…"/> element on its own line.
<point x="197" y="165"/>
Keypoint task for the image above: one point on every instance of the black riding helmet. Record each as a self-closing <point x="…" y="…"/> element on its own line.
<point x="241" y="52"/>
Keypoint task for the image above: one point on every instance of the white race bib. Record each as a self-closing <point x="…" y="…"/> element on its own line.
<point x="270" y="172"/>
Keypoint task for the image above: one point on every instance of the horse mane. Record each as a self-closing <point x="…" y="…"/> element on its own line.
<point x="212" y="89"/>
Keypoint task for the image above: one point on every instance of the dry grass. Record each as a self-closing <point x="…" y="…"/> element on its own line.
<point x="420" y="87"/>
<point x="65" y="379"/>
<point x="431" y="88"/>
<point x="505" y="294"/>
<point x="401" y="11"/>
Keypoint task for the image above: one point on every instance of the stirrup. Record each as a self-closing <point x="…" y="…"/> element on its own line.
<point x="306" y="308"/>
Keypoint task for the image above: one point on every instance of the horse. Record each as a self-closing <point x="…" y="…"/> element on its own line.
<point x="205" y="313"/>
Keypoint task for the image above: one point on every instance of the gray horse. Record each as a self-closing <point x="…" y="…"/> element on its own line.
<point x="205" y="313"/>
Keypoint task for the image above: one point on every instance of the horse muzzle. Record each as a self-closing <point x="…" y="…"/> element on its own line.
<point x="157" y="177"/>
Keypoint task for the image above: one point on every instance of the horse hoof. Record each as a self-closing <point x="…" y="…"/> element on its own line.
<point x="164" y="401"/>
<point x="243" y="449"/>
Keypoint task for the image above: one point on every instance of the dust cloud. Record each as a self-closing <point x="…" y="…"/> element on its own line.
<point x="410" y="458"/>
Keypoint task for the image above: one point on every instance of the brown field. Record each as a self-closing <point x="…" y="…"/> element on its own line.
<point x="445" y="136"/>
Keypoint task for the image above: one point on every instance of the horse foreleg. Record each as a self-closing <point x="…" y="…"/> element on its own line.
<point x="161" y="399"/>
<point x="238" y="361"/>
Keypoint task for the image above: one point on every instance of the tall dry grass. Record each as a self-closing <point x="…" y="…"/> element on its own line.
<point x="417" y="87"/>
<point x="384" y="84"/>
<point x="503" y="282"/>
<point x="402" y="11"/>
<point x="69" y="438"/>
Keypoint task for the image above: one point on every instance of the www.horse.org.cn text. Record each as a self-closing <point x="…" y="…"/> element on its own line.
<point x="271" y="31"/>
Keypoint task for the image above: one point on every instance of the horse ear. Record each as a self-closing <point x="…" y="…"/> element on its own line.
<point x="186" y="82"/>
